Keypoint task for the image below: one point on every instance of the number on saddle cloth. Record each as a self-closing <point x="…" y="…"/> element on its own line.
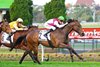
<point x="42" y="37"/>
<point x="4" y="38"/>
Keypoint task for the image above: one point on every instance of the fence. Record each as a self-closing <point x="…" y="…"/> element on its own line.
<point x="90" y="41"/>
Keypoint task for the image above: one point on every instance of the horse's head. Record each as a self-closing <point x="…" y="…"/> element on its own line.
<point x="76" y="26"/>
<point x="5" y="27"/>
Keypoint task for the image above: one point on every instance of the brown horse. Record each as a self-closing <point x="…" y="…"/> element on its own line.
<point x="59" y="38"/>
<point x="6" y="28"/>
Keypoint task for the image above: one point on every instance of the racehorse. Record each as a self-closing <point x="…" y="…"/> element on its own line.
<point x="6" y="28"/>
<point x="58" y="38"/>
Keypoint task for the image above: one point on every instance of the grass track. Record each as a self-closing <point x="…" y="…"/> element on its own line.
<point x="49" y="64"/>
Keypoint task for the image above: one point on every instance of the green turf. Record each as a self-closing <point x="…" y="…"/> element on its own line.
<point x="49" y="64"/>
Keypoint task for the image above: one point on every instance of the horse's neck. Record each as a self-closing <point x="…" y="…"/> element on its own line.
<point x="67" y="29"/>
<point x="64" y="31"/>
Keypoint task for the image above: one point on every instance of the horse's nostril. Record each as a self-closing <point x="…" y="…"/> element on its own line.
<point x="83" y="34"/>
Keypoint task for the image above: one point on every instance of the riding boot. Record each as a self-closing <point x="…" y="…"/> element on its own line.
<point x="48" y="32"/>
<point x="9" y="37"/>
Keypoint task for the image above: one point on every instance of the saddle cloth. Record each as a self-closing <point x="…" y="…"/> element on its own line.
<point x="42" y="37"/>
<point x="4" y="38"/>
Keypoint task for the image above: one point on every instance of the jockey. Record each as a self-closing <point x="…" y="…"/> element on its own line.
<point x="54" y="23"/>
<point x="16" y="25"/>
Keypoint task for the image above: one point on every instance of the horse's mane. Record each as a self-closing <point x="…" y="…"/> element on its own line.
<point x="71" y="20"/>
<point x="32" y="26"/>
<point x="21" y="30"/>
<point x="29" y="27"/>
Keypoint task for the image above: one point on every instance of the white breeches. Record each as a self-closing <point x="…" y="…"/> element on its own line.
<point x="4" y="38"/>
<point x="49" y="27"/>
<point x="13" y="30"/>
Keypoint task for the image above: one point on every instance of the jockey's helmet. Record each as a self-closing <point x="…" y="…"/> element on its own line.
<point x="61" y="18"/>
<point x="19" y="20"/>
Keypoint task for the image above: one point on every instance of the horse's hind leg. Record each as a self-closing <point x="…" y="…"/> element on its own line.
<point x="34" y="57"/>
<point x="35" y="50"/>
<point x="22" y="58"/>
<point x="62" y="45"/>
<point x="25" y="54"/>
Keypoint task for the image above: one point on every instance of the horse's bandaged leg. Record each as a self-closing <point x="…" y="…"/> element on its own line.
<point x="4" y="38"/>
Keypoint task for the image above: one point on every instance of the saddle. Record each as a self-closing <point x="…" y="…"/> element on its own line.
<point x="4" y="37"/>
<point x="42" y="37"/>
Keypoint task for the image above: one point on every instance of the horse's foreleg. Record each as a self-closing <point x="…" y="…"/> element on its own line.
<point x="62" y="45"/>
<point x="77" y="54"/>
<point x="73" y="51"/>
<point x="71" y="55"/>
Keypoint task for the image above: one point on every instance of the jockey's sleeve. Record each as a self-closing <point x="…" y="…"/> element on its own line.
<point x="16" y="28"/>
<point x="66" y="23"/>
<point x="60" y="26"/>
<point x="23" y="26"/>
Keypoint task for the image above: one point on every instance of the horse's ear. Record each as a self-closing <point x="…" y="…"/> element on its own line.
<point x="70" y="20"/>
<point x="75" y="20"/>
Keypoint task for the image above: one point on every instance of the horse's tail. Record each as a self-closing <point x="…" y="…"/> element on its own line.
<point x="18" y="41"/>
